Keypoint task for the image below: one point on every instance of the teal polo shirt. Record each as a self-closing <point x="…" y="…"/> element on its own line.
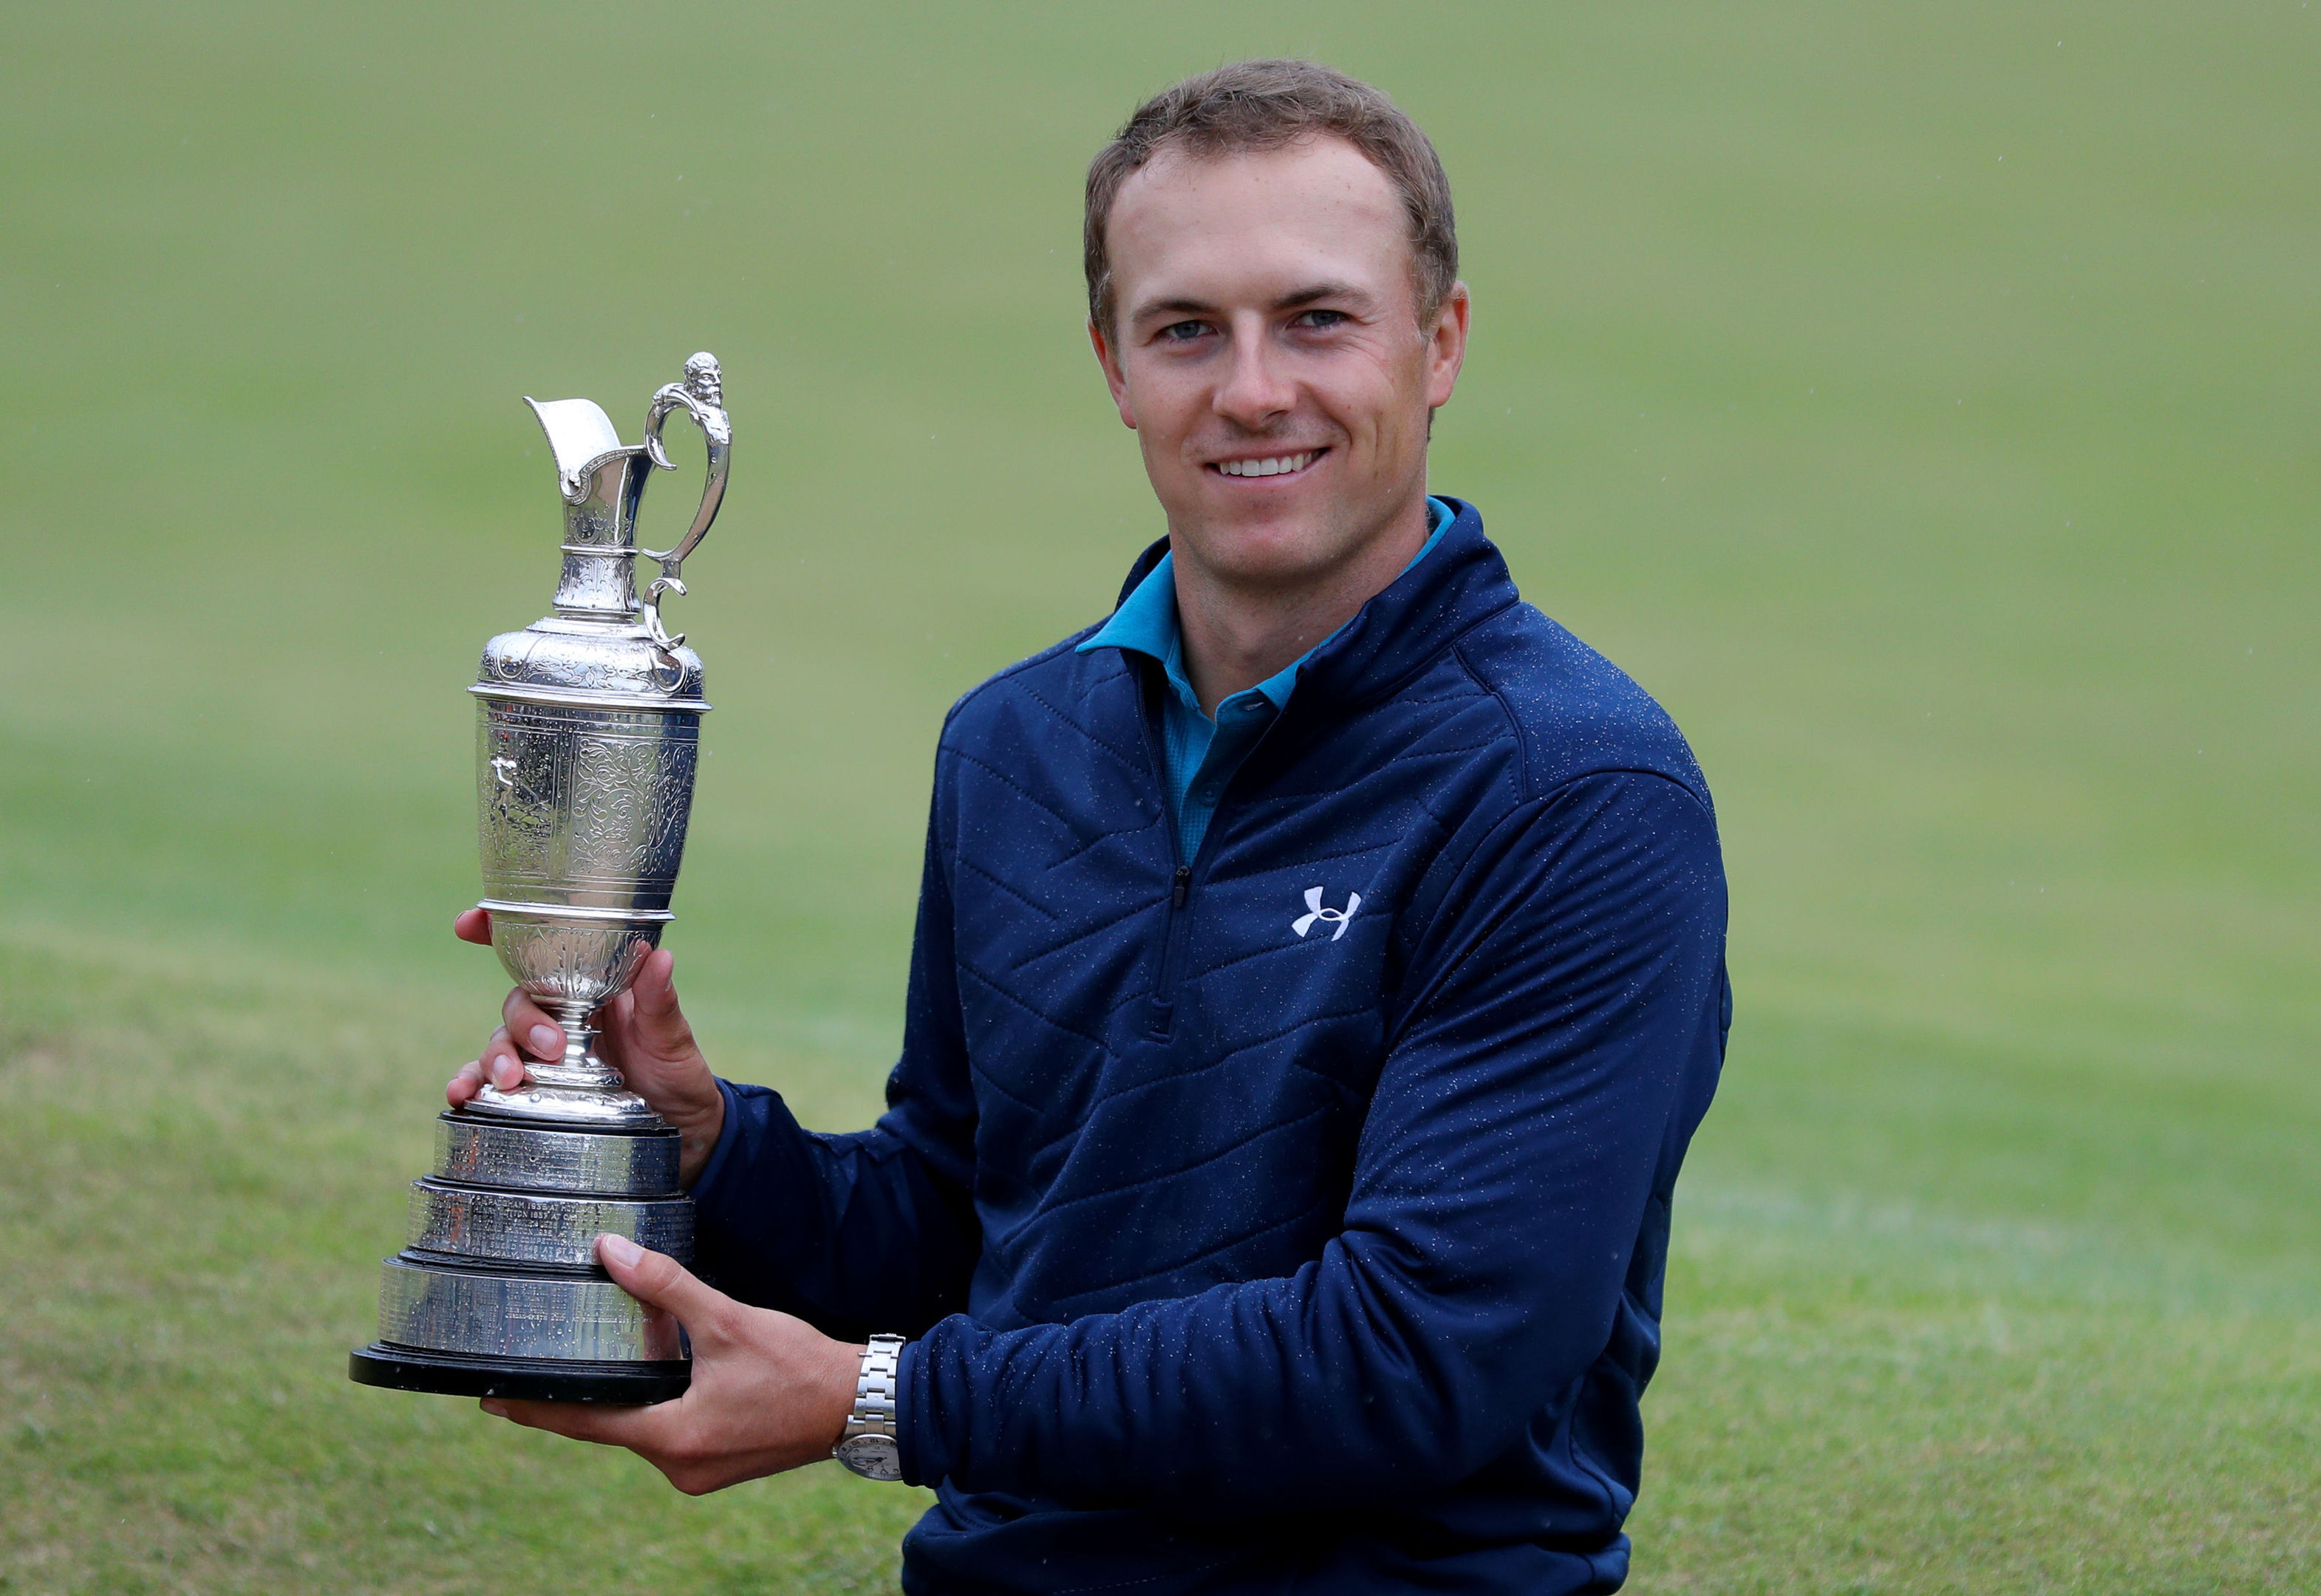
<point x="1201" y="754"/>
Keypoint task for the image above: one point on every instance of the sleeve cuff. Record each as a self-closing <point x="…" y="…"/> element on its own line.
<point x="910" y="1409"/>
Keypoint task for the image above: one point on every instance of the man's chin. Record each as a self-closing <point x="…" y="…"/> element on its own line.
<point x="1289" y="540"/>
<point x="1278" y="552"/>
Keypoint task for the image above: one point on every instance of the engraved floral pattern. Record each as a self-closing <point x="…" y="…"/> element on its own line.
<point x="629" y="803"/>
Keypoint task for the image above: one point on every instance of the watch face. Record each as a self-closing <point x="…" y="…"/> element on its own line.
<point x="874" y="1457"/>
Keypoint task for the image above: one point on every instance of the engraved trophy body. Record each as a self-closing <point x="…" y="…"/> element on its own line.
<point x="587" y="733"/>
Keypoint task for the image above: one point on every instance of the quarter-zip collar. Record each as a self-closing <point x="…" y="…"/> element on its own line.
<point x="1200" y="754"/>
<point x="1417" y="616"/>
<point x="1145" y="620"/>
<point x="1458" y="580"/>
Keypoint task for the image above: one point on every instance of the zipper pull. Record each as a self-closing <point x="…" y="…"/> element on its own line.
<point x="1182" y="885"/>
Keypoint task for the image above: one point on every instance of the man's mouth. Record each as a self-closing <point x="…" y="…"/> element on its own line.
<point x="1276" y="465"/>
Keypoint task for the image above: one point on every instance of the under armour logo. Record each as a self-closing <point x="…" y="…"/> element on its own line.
<point x="1314" y="911"/>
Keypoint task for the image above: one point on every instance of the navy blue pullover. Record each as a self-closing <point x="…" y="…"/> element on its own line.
<point x="1250" y="1238"/>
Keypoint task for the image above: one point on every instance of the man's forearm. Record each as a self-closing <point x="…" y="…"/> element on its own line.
<point x="854" y="1232"/>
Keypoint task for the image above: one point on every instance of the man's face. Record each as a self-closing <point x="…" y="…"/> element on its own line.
<point x="1267" y="351"/>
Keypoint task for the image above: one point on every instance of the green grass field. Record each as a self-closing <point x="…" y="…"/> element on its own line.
<point x="1924" y="401"/>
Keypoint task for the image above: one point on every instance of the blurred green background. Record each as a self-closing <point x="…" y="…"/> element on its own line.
<point x="1921" y="401"/>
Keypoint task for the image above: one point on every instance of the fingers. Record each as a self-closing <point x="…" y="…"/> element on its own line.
<point x="660" y="1280"/>
<point x="502" y="1063"/>
<point x="769" y="1391"/>
<point x="583" y="1421"/>
<point x="529" y="1024"/>
<point x="498" y="1067"/>
<point x="659" y="1434"/>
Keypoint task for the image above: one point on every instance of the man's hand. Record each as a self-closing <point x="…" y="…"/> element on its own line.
<point x="644" y="1035"/>
<point x="769" y="1393"/>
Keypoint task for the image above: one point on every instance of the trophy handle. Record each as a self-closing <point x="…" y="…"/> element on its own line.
<point x="702" y="395"/>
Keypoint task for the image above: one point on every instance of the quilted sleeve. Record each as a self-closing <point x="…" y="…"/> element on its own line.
<point x="869" y="1233"/>
<point x="1559" y="1040"/>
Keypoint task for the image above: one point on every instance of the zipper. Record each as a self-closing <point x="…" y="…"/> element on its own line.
<point x="1161" y="1010"/>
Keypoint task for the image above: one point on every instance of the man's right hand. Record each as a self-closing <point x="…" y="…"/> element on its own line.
<point x="644" y="1035"/>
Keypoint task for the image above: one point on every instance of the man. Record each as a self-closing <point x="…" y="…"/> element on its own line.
<point x="1319" y="975"/>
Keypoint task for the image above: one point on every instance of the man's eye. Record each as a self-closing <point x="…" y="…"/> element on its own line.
<point x="1184" y="331"/>
<point x="1319" y="319"/>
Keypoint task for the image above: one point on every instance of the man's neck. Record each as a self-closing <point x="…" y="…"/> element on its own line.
<point x="1235" y="635"/>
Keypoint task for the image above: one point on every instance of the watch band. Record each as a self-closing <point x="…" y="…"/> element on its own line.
<point x="869" y="1445"/>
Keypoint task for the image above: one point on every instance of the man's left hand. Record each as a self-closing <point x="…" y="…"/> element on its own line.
<point x="769" y="1393"/>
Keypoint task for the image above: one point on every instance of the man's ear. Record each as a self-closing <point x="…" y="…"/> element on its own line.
<point x="1446" y="346"/>
<point x="1115" y="378"/>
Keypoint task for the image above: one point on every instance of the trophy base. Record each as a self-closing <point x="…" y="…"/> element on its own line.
<point x="499" y="1293"/>
<point x="523" y="1379"/>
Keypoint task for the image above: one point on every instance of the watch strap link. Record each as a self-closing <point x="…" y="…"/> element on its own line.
<point x="877" y="1395"/>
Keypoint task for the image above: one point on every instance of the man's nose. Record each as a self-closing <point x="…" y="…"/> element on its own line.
<point x="1256" y="390"/>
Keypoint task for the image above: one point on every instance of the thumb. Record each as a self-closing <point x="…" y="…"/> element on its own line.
<point x="660" y="1280"/>
<point x="654" y="995"/>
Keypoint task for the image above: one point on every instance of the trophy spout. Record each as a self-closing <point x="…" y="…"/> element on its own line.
<point x="602" y="481"/>
<point x="580" y="435"/>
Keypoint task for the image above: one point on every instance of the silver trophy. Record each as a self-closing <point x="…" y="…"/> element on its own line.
<point x="588" y="727"/>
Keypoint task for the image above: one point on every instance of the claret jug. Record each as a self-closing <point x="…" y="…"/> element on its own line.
<point x="587" y="733"/>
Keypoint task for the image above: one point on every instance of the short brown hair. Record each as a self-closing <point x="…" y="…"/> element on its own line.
<point x="1266" y="105"/>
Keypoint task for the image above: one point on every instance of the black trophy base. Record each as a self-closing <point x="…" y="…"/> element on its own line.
<point x="523" y="1379"/>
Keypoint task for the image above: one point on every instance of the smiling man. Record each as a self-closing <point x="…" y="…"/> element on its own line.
<point x="1319" y="976"/>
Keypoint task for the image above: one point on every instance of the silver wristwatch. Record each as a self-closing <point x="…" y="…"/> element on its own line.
<point x="869" y="1447"/>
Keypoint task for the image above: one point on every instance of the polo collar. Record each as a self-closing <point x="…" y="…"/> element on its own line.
<point x="1145" y="622"/>
<point x="1457" y="579"/>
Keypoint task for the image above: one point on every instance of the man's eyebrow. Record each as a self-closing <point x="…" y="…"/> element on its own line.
<point x="1294" y="300"/>
<point x="1307" y="296"/>
<point x="1185" y="308"/>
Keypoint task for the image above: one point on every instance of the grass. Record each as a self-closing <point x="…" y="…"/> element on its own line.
<point x="1918" y="399"/>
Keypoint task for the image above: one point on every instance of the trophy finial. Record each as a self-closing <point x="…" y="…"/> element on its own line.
<point x="703" y="380"/>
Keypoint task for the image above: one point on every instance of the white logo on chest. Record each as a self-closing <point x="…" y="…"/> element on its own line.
<point x="1315" y="912"/>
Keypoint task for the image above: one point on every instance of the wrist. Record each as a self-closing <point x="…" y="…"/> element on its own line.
<point x="700" y="1125"/>
<point x="837" y="1406"/>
